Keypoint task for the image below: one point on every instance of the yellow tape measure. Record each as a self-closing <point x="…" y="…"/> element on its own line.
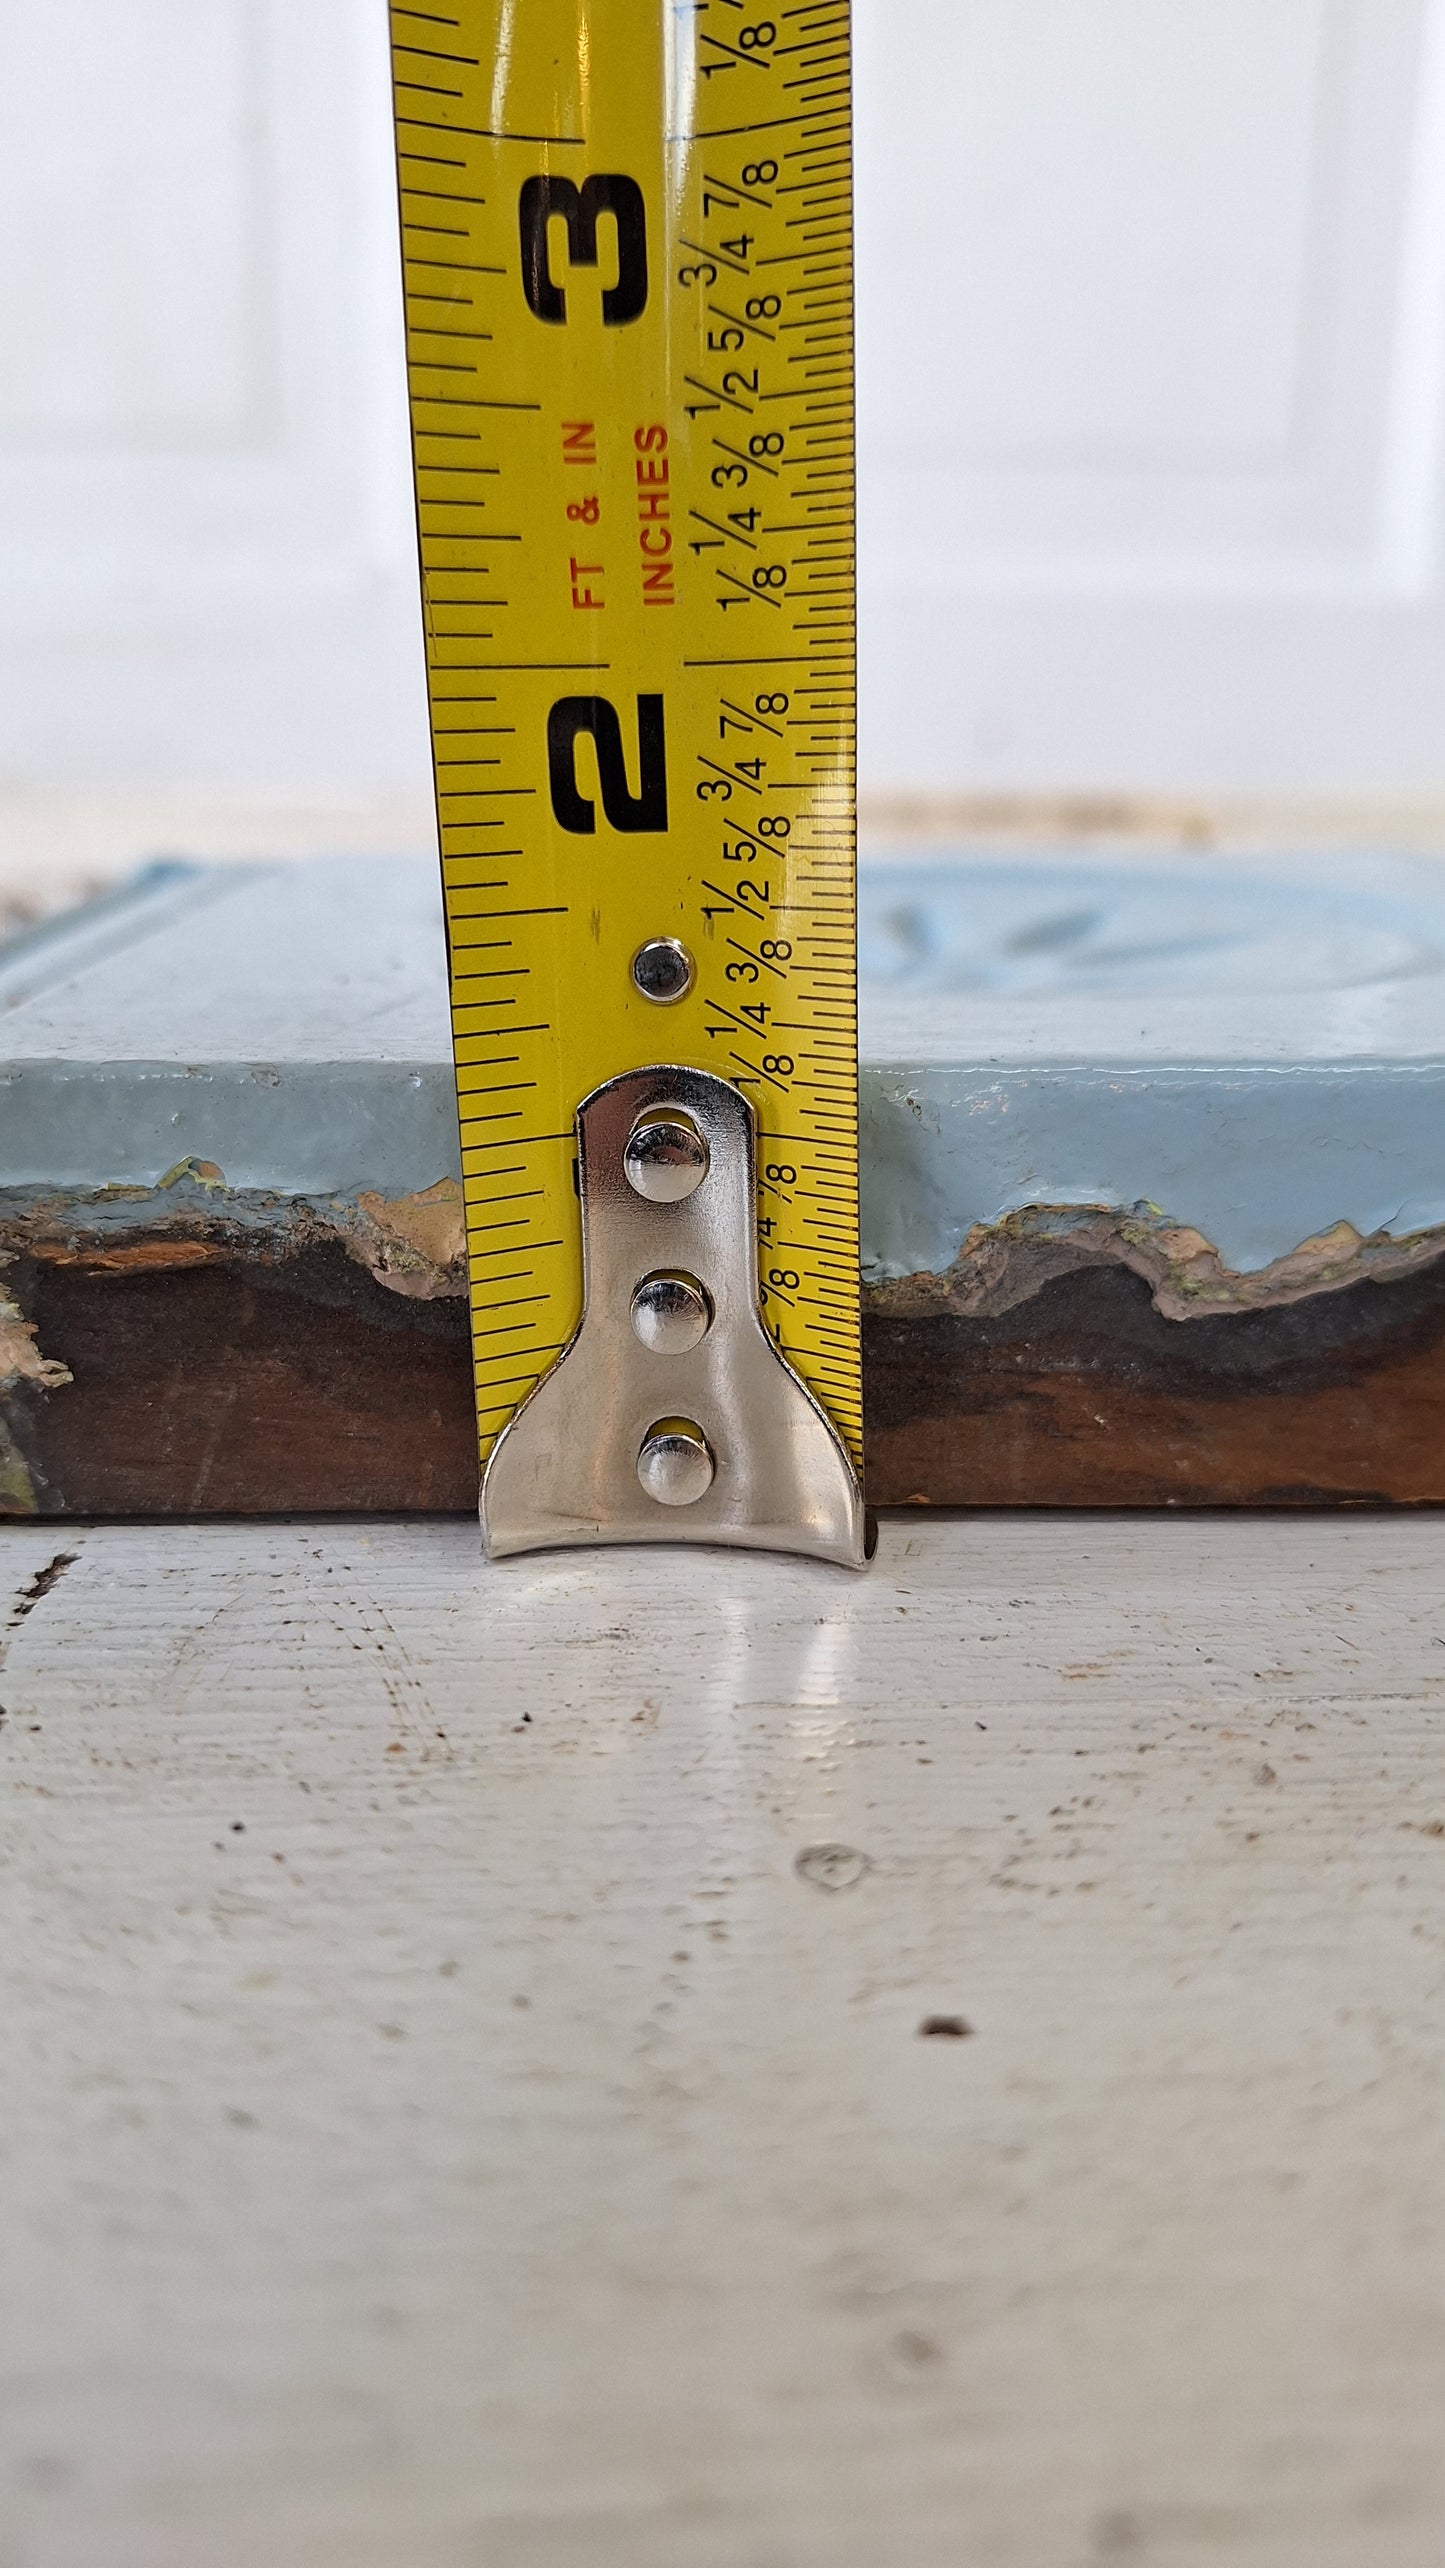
<point x="627" y="237"/>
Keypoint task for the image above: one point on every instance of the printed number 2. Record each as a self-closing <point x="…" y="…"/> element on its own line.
<point x="647" y="809"/>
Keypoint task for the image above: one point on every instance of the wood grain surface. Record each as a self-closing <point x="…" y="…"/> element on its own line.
<point x="683" y="2062"/>
<point x="1085" y="1396"/>
<point x="213" y="1377"/>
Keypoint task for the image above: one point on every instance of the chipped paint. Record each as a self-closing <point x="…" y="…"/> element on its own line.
<point x="21" y="1363"/>
<point x="1007" y="1262"/>
<point x="417" y="1244"/>
<point x="412" y="1244"/>
<point x="133" y="1256"/>
<point x="20" y="1357"/>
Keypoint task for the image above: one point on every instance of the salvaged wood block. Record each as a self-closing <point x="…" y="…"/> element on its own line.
<point x="1153" y="1190"/>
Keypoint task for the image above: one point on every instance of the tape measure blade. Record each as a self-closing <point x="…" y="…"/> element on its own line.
<point x="627" y="255"/>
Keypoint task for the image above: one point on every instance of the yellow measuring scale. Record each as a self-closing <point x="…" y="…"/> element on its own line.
<point x="627" y="243"/>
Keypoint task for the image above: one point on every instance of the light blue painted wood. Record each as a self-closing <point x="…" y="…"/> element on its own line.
<point x="1257" y="1050"/>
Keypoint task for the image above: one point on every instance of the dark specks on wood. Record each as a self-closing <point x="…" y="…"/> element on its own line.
<point x="41" y="1585"/>
<point x="30" y="1595"/>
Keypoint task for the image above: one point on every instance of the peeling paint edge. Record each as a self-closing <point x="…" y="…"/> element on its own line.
<point x="414" y="1245"/>
<point x="1001" y="1264"/>
<point x="20" y="1357"/>
<point x="21" y="1362"/>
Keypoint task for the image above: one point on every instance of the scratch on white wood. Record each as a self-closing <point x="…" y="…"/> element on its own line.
<point x="445" y="2123"/>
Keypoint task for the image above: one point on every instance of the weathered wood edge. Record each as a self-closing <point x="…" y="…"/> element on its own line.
<point x="218" y="1356"/>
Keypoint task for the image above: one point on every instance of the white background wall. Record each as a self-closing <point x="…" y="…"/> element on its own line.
<point x="1152" y="300"/>
<point x="207" y="564"/>
<point x="1152" y="465"/>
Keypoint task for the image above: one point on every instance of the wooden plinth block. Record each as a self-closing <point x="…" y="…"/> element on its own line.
<point x="1153" y="1179"/>
<point x="214" y="1379"/>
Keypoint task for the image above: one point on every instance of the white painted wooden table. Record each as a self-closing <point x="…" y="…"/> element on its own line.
<point x="451" y="2120"/>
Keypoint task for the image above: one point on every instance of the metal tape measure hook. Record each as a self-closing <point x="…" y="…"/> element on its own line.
<point x="671" y="1416"/>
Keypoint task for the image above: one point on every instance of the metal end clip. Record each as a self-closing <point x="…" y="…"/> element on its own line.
<point x="671" y="1416"/>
